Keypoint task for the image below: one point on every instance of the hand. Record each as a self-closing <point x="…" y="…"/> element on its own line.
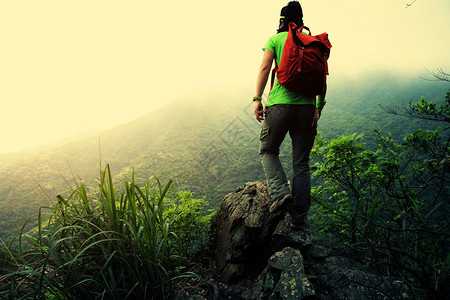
<point x="259" y="111"/>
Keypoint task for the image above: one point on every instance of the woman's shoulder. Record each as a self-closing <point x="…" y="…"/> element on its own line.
<point x="279" y="36"/>
<point x="275" y="41"/>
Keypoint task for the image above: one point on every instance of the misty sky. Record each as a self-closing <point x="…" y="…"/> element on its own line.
<point x="66" y="66"/>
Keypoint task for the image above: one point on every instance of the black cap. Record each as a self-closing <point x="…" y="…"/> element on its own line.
<point x="292" y="12"/>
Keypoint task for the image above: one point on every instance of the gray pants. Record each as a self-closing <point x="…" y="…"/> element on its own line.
<point x="300" y="122"/>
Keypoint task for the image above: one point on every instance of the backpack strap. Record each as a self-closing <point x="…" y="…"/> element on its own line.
<point x="294" y="32"/>
<point x="306" y="28"/>
<point x="272" y="80"/>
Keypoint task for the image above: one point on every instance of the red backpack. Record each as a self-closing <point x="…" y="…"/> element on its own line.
<point x="303" y="66"/>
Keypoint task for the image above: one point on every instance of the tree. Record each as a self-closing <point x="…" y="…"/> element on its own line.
<point x="390" y="206"/>
<point x="426" y="110"/>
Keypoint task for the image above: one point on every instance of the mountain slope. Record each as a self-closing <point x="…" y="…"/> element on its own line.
<point x="186" y="140"/>
<point x="208" y="144"/>
<point x="8" y="158"/>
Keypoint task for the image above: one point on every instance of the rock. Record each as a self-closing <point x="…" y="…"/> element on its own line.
<point x="238" y="229"/>
<point x="247" y="235"/>
<point x="318" y="252"/>
<point x="231" y="272"/>
<point x="284" y="236"/>
<point x="180" y="295"/>
<point x="342" y="277"/>
<point x="283" y="278"/>
<point x="260" y="257"/>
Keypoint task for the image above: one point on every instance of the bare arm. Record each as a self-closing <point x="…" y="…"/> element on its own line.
<point x="261" y="81"/>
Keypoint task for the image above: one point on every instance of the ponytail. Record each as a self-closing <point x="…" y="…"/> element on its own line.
<point x="292" y="12"/>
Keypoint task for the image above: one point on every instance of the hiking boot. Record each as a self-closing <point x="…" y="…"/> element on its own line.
<point x="300" y="226"/>
<point x="281" y="203"/>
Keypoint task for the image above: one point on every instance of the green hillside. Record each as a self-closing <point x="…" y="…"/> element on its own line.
<point x="354" y="105"/>
<point x="206" y="142"/>
<point x="8" y="158"/>
<point x="189" y="140"/>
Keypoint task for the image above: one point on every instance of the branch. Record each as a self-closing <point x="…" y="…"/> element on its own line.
<point x="409" y="4"/>
<point x="415" y="111"/>
<point x="440" y="75"/>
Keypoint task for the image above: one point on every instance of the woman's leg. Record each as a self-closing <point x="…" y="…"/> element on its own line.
<point x="302" y="132"/>
<point x="273" y="131"/>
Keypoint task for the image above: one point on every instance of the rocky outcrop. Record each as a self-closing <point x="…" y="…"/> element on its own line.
<point x="255" y="246"/>
<point x="283" y="278"/>
<point x="341" y="277"/>
<point x="247" y="235"/>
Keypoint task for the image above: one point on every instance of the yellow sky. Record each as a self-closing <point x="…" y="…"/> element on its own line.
<point x="70" y="65"/>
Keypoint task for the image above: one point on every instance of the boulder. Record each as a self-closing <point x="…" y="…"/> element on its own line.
<point x="246" y="235"/>
<point x="259" y="256"/>
<point x="283" y="278"/>
<point x="342" y="277"/>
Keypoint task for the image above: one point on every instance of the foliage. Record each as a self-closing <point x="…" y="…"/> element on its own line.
<point x="97" y="244"/>
<point x="389" y="206"/>
<point x="425" y="110"/>
<point x="193" y="227"/>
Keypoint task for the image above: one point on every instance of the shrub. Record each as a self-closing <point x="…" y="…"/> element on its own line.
<point x="97" y="244"/>
<point x="389" y="206"/>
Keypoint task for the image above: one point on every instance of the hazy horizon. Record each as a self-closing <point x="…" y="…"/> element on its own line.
<point x="70" y="66"/>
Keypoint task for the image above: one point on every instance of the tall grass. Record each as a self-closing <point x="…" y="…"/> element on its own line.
<point x="99" y="245"/>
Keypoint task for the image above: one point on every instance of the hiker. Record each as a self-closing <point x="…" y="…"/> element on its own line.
<point x="286" y="111"/>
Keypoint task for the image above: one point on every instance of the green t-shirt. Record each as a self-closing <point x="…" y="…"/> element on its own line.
<point x="279" y="94"/>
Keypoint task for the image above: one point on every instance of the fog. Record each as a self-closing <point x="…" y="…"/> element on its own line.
<point x="71" y="65"/>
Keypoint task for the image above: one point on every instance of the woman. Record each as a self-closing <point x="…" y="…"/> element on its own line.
<point x="286" y="111"/>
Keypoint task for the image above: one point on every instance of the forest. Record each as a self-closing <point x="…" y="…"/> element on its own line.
<point x="380" y="175"/>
